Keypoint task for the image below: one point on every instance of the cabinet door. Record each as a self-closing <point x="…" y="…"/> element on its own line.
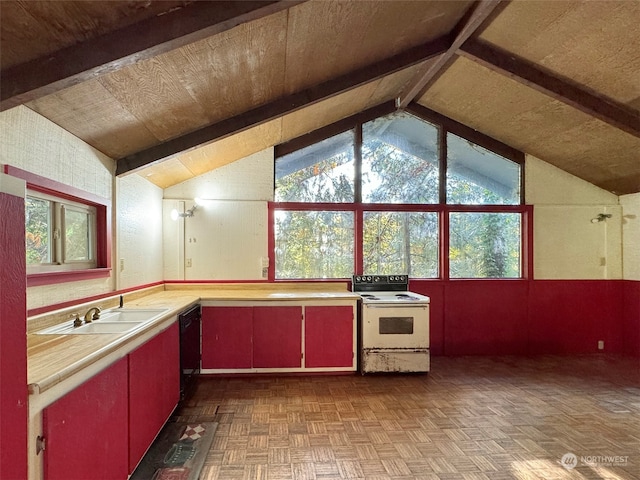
<point x="154" y="390"/>
<point x="86" y="430"/>
<point x="226" y="337"/>
<point x="328" y="336"/>
<point x="277" y="337"/>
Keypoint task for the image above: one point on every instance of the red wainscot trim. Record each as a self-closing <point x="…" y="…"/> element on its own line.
<point x="569" y="317"/>
<point x="631" y="318"/>
<point x="103" y="227"/>
<point x="485" y="317"/>
<point x="71" y="303"/>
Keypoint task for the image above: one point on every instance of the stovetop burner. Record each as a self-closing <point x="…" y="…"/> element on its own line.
<point x="406" y="296"/>
<point x="368" y="296"/>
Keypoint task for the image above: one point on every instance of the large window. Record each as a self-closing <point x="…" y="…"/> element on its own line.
<point x="392" y="194"/>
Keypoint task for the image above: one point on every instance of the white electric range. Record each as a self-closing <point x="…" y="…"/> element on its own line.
<point x="394" y="325"/>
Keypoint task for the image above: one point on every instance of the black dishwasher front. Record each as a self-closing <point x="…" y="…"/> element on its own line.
<point x="189" y="346"/>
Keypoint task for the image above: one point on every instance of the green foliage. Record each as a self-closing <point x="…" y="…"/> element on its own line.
<point x="314" y="244"/>
<point x="38" y="214"/>
<point x="76" y="236"/>
<point x="320" y="244"/>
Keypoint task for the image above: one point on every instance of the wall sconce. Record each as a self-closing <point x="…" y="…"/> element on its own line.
<point x="175" y="215"/>
<point x="602" y="217"/>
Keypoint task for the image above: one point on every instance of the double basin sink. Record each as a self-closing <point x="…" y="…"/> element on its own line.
<point x="117" y="320"/>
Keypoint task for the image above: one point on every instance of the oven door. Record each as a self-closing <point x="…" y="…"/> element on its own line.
<point x="395" y="326"/>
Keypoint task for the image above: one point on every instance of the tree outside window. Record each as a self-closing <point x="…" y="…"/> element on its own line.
<point x="394" y="205"/>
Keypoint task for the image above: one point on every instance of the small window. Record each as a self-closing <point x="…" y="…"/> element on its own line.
<point x="399" y="160"/>
<point x="323" y="172"/>
<point x="484" y="245"/>
<point x="476" y="176"/>
<point x="314" y="244"/>
<point x="60" y="234"/>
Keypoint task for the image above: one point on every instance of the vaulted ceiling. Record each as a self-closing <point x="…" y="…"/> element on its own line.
<point x="173" y="89"/>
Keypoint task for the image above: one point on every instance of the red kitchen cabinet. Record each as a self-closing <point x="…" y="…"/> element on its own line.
<point x="226" y="337"/>
<point x="328" y="336"/>
<point x="263" y="337"/>
<point x="277" y="337"/>
<point x="85" y="431"/>
<point x="154" y="389"/>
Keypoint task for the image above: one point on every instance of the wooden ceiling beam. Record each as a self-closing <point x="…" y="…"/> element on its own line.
<point x="526" y="73"/>
<point x="283" y="106"/>
<point x="115" y="50"/>
<point x="480" y="12"/>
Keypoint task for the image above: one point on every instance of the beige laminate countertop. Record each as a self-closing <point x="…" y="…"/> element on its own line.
<point x="53" y="358"/>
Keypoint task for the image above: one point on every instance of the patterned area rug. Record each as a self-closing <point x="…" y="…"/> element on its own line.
<point x="178" y="453"/>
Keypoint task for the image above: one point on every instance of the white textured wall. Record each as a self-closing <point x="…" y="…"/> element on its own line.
<point x="548" y="185"/>
<point x="566" y="244"/>
<point x="225" y="239"/>
<point x="631" y="236"/>
<point x="31" y="142"/>
<point x="139" y="232"/>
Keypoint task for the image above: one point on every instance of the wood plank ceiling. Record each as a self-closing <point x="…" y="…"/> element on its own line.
<point x="175" y="89"/>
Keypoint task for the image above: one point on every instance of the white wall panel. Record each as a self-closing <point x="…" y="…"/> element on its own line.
<point x="139" y="257"/>
<point x="548" y="185"/>
<point x="566" y="244"/>
<point x="173" y="240"/>
<point x="631" y="236"/>
<point x="226" y="240"/>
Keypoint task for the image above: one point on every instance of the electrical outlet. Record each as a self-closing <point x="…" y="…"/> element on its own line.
<point x="187" y="262"/>
<point x="600" y="344"/>
<point x="121" y="264"/>
<point x="265" y="272"/>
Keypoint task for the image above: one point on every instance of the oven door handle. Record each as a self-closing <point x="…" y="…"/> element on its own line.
<point x="421" y="305"/>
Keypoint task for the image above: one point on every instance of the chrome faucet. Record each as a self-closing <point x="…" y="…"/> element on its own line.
<point x="76" y="320"/>
<point x="92" y="314"/>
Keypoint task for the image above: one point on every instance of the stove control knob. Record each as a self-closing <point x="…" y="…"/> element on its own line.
<point x="368" y="279"/>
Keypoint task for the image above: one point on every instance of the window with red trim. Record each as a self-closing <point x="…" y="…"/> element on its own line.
<point x="67" y="231"/>
<point x="60" y="235"/>
<point x="397" y="194"/>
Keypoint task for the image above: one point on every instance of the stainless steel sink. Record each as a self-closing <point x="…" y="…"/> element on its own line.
<point x="111" y="321"/>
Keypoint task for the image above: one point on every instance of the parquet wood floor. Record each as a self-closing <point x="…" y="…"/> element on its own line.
<point x="470" y="418"/>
